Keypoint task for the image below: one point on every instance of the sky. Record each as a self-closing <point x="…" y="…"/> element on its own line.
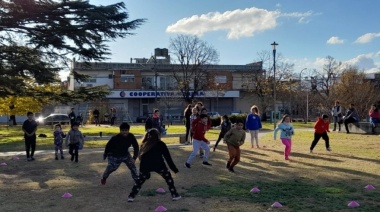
<point x="307" y="31"/>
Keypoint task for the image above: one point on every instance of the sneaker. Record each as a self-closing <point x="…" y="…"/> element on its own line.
<point x="32" y="158"/>
<point x="56" y="157"/>
<point x="187" y="165"/>
<point x="328" y="149"/>
<point x="252" y="147"/>
<point x="187" y="143"/>
<point x="131" y="199"/>
<point x="231" y="170"/>
<point x="29" y="159"/>
<point x="213" y="149"/>
<point x="103" y="181"/>
<point x="201" y="155"/>
<point x="206" y="163"/>
<point x="287" y="158"/>
<point x="258" y="146"/>
<point x="311" y="151"/>
<point x="228" y="165"/>
<point x="176" y="197"/>
<point x="72" y="158"/>
<point x="62" y="157"/>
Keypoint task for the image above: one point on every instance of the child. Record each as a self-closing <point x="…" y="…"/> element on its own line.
<point x="74" y="139"/>
<point x="193" y="116"/>
<point x="234" y="138"/>
<point x="321" y="127"/>
<point x="117" y="151"/>
<point x="58" y="140"/>
<point x="152" y="154"/>
<point x="225" y="126"/>
<point x="30" y="127"/>
<point x="253" y="125"/>
<point x="287" y="131"/>
<point x="199" y="127"/>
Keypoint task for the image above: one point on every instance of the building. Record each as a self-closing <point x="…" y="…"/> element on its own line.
<point x="143" y="84"/>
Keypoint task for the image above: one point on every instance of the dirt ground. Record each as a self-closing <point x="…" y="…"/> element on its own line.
<point x="39" y="185"/>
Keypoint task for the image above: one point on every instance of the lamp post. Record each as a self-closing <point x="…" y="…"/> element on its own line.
<point x="217" y="97"/>
<point x="274" y="44"/>
<point x="307" y="95"/>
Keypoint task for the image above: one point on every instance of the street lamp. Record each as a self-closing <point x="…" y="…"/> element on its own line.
<point x="217" y="96"/>
<point x="274" y="44"/>
<point x="307" y="95"/>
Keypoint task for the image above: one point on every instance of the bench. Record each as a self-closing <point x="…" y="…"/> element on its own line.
<point x="363" y="127"/>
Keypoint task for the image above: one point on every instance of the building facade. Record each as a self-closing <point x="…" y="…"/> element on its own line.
<point x="143" y="84"/>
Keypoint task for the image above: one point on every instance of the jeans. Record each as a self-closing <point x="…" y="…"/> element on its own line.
<point x="30" y="145"/>
<point x="197" y="145"/>
<point x="337" y="120"/>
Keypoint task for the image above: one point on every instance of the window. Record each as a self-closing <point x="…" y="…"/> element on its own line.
<point x="167" y="82"/>
<point x="220" y="79"/>
<point x="127" y="78"/>
<point x="89" y="80"/>
<point x="147" y="81"/>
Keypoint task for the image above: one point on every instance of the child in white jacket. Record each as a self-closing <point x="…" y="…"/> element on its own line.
<point x="287" y="131"/>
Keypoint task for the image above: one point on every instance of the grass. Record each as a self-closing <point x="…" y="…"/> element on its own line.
<point x="322" y="181"/>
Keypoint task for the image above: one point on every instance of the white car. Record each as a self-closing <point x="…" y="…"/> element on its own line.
<point x="54" y="119"/>
<point x="213" y="114"/>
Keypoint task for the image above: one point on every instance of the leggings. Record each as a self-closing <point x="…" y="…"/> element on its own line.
<point x="114" y="163"/>
<point x="254" y="136"/>
<point x="318" y="136"/>
<point x="288" y="146"/>
<point x="165" y="173"/>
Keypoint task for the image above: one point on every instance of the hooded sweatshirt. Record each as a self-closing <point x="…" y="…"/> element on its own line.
<point x="287" y="131"/>
<point x="321" y="127"/>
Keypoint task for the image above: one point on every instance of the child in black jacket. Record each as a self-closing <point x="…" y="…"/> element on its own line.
<point x="152" y="154"/>
<point x="225" y="126"/>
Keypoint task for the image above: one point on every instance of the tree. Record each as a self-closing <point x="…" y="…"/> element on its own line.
<point x="37" y="38"/>
<point x="353" y="88"/>
<point x="194" y="57"/>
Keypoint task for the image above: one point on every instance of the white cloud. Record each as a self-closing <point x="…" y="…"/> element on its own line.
<point x="366" y="38"/>
<point x="302" y="17"/>
<point x="335" y="40"/>
<point x="363" y="62"/>
<point x="238" y="23"/>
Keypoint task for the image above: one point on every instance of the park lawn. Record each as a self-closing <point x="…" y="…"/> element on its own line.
<point x="321" y="181"/>
<point x="12" y="139"/>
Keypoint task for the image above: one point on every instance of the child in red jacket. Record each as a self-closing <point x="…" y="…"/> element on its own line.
<point x="321" y="127"/>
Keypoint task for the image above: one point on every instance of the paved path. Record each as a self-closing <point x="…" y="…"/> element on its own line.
<point x="101" y="150"/>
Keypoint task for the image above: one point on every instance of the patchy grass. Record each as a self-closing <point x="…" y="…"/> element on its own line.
<point x="322" y="181"/>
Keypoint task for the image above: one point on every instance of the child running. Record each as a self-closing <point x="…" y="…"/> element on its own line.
<point x="117" y="151"/>
<point x="152" y="154"/>
<point x="234" y="138"/>
<point x="321" y="127"/>
<point x="74" y="139"/>
<point x="58" y="141"/>
<point x="253" y="125"/>
<point x="225" y="126"/>
<point x="199" y="127"/>
<point x="287" y="131"/>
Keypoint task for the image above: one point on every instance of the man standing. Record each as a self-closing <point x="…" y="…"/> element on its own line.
<point x="30" y="127"/>
<point x="72" y="116"/>
<point x="117" y="151"/>
<point x="96" y="114"/>
<point x="336" y="112"/>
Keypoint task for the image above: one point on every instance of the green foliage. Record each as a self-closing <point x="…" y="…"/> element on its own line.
<point x="38" y="37"/>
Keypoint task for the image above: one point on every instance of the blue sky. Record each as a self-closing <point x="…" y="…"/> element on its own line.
<point x="307" y="30"/>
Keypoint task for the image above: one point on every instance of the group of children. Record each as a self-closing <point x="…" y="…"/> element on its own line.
<point x="74" y="140"/>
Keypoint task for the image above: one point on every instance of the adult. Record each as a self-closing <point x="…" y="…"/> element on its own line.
<point x="154" y="122"/>
<point x="187" y="113"/>
<point x="374" y="116"/>
<point x="30" y="127"/>
<point x="72" y="117"/>
<point x="113" y="116"/>
<point x="350" y="117"/>
<point x="336" y="112"/>
<point x="96" y="114"/>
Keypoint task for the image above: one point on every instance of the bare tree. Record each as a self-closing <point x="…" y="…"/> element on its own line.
<point x="194" y="57"/>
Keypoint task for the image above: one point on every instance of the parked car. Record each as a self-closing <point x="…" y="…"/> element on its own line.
<point x="54" y="119"/>
<point x="213" y="114"/>
<point x="143" y="118"/>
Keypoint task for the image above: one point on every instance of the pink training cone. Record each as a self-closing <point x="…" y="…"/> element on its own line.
<point x="3" y="164"/>
<point x="67" y="195"/>
<point x="160" y="190"/>
<point x="160" y="209"/>
<point x="369" y="187"/>
<point x="16" y="158"/>
<point x="353" y="204"/>
<point x="276" y="205"/>
<point x="255" y="190"/>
